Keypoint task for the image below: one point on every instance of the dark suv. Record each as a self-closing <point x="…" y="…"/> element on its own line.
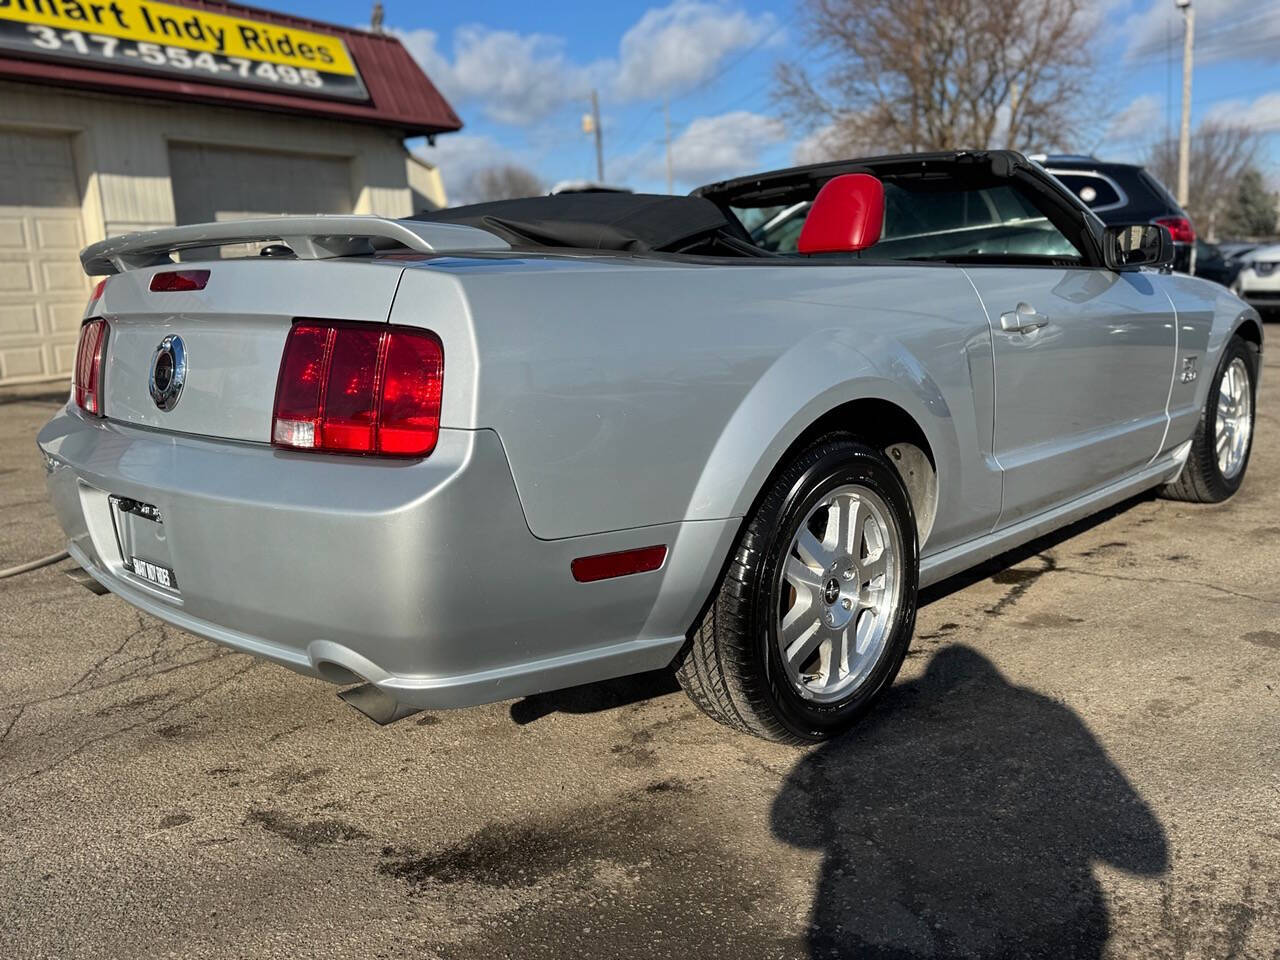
<point x="1125" y="193"/>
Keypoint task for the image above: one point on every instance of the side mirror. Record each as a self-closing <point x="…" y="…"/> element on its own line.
<point x="847" y="215"/>
<point x="1137" y="245"/>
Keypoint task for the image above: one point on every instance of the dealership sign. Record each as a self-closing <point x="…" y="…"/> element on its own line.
<point x="195" y="44"/>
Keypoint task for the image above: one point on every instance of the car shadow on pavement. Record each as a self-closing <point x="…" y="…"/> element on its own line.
<point x="594" y="697"/>
<point x="1017" y="555"/>
<point x="622" y="691"/>
<point x="962" y="818"/>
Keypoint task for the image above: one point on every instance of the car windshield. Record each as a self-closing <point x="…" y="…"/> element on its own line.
<point x="927" y="223"/>
<point x="774" y="228"/>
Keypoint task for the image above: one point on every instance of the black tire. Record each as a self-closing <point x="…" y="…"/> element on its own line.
<point x="1201" y="481"/>
<point x="731" y="667"/>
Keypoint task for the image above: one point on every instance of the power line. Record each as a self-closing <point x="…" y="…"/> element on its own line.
<point x="724" y="69"/>
<point x="1238" y="94"/>
<point x="636" y="128"/>
<point x="1205" y="45"/>
<point x="1258" y="45"/>
<point x="1214" y="29"/>
<point x="747" y="51"/>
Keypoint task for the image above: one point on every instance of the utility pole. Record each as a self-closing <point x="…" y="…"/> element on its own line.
<point x="595" y="125"/>
<point x="916" y="55"/>
<point x="1184" y="137"/>
<point x="666" y="126"/>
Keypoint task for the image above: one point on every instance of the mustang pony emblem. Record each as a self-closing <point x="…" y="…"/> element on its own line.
<point x="168" y="372"/>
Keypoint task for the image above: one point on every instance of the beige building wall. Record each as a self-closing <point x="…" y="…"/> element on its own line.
<point x="121" y="150"/>
<point x="425" y="185"/>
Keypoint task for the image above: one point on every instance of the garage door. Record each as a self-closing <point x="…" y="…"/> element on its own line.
<point x="219" y="183"/>
<point x="42" y="288"/>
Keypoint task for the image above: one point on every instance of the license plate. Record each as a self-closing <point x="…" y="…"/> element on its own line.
<point x="144" y="547"/>
<point x="160" y="576"/>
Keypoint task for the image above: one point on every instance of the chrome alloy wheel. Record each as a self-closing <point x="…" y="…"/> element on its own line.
<point x="1234" y="424"/>
<point x="838" y="593"/>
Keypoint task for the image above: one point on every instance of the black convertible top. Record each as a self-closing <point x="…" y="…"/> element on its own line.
<point x="634" y="222"/>
<point x="703" y="223"/>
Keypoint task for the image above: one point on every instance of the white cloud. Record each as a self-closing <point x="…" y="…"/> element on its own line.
<point x="423" y="47"/>
<point x="516" y="79"/>
<point x="520" y="79"/>
<point x="822" y="144"/>
<point x="459" y="155"/>
<point x="1238" y="30"/>
<point x="673" y="49"/>
<point x="1140" y="120"/>
<point x="713" y="148"/>
<point x="1260" y="114"/>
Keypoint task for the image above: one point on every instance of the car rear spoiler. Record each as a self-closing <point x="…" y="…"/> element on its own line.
<point x="310" y="238"/>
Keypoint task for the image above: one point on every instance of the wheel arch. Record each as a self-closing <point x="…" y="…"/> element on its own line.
<point x="884" y="413"/>
<point x="889" y="428"/>
<point x="1249" y="329"/>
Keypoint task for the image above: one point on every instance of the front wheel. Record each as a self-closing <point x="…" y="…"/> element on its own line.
<point x="814" y="614"/>
<point x="1223" y="439"/>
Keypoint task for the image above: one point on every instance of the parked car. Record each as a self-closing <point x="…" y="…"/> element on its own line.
<point x="1213" y="264"/>
<point x="1237" y="249"/>
<point x="1258" y="280"/>
<point x="587" y="186"/>
<point x="1126" y="193"/>
<point x="498" y="450"/>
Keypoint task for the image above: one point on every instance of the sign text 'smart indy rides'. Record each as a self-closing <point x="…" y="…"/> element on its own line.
<point x="153" y="37"/>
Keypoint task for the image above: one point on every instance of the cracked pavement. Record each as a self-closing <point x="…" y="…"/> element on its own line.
<point x="1080" y="758"/>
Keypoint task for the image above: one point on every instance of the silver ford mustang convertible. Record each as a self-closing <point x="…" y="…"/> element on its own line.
<point x="511" y="447"/>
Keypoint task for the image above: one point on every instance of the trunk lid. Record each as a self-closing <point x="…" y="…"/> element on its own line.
<point x="233" y="333"/>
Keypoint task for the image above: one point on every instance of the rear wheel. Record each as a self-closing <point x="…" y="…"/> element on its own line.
<point x="1223" y="439"/>
<point x="814" y="614"/>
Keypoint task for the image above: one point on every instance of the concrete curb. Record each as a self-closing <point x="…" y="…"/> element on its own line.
<point x="35" y="392"/>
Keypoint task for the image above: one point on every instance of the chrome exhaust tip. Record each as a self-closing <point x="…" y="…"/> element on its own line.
<point x="378" y="706"/>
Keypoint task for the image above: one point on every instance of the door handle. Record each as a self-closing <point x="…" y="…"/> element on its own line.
<point x="1022" y="320"/>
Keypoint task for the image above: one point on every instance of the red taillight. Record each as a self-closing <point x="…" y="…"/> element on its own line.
<point x="359" y="388"/>
<point x="98" y="290"/>
<point x="1180" y="228"/>
<point x="87" y="382"/>
<point x="604" y="566"/>
<point x="302" y="376"/>
<point x="350" y="409"/>
<point x="411" y="385"/>
<point x="177" y="281"/>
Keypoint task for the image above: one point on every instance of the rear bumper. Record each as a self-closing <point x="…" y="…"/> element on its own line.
<point x="421" y="578"/>
<point x="1262" y="299"/>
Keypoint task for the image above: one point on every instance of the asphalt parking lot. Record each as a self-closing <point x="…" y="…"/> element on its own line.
<point x="1081" y="758"/>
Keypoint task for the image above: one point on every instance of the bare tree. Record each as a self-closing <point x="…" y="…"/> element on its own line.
<point x="1220" y="155"/>
<point x="1253" y="211"/>
<point x="942" y="74"/>
<point x="504" y="182"/>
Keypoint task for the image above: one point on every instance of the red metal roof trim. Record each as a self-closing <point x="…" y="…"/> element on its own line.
<point x="400" y="94"/>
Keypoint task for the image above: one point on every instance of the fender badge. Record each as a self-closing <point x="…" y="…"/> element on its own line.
<point x="1189" y="372"/>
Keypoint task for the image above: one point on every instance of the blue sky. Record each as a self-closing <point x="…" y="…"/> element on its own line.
<point x="519" y="74"/>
